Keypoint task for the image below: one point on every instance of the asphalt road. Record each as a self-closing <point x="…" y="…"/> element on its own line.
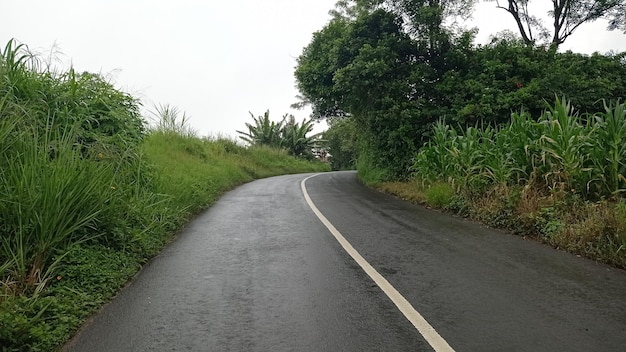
<point x="260" y="272"/>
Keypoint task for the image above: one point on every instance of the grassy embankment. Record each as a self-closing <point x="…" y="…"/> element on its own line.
<point x="559" y="179"/>
<point x="88" y="195"/>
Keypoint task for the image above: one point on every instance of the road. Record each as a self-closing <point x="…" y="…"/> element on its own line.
<point x="259" y="271"/>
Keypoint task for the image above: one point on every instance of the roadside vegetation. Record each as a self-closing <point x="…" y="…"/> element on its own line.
<point x="559" y="178"/>
<point x="89" y="193"/>
<point x="287" y="134"/>
<point x="514" y="133"/>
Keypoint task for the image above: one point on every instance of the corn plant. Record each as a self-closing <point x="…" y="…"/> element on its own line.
<point x="497" y="161"/>
<point x="609" y="149"/>
<point x="434" y="161"/>
<point x="565" y="145"/>
<point x="560" y="151"/>
<point x="518" y="140"/>
<point x="468" y="158"/>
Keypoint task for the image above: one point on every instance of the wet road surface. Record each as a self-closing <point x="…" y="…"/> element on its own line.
<point x="259" y="272"/>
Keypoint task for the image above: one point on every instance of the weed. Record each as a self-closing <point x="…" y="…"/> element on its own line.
<point x="439" y="195"/>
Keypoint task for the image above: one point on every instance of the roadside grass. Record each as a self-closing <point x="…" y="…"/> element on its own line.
<point x="187" y="174"/>
<point x="89" y="193"/>
<point x="409" y="191"/>
<point x="594" y="230"/>
<point x="439" y="195"/>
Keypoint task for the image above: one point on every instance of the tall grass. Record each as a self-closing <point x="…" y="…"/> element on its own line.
<point x="64" y="155"/>
<point x="88" y="193"/>
<point x="51" y="198"/>
<point x="169" y="119"/>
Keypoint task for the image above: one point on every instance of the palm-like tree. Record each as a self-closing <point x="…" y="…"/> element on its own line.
<point x="295" y="138"/>
<point x="287" y="134"/>
<point x="264" y="131"/>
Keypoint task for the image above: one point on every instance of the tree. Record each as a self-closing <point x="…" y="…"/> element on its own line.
<point x="264" y="131"/>
<point x="341" y="138"/>
<point x="393" y="69"/>
<point x="286" y="134"/>
<point x="317" y="66"/>
<point x="294" y="138"/>
<point x="567" y="16"/>
<point x="379" y="64"/>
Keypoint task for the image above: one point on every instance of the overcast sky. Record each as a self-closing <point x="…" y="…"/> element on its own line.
<point x="215" y="60"/>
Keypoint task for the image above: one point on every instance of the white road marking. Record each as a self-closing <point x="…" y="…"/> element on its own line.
<point x="423" y="327"/>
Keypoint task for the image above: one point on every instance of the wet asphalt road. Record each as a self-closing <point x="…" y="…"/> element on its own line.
<point x="259" y="272"/>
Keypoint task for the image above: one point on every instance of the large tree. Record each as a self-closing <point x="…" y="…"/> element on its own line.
<point x="368" y="65"/>
<point x="566" y="16"/>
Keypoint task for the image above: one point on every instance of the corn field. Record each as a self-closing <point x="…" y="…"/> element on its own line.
<point x="560" y="151"/>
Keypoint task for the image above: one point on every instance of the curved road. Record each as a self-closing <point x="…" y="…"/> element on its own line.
<point x="259" y="271"/>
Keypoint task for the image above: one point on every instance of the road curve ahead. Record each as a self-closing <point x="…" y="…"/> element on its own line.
<point x="259" y="271"/>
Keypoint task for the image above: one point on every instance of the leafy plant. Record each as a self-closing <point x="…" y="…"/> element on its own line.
<point x="264" y="131"/>
<point x="341" y="137"/>
<point x="51" y="195"/>
<point x="560" y="152"/>
<point x="609" y="149"/>
<point x="564" y="147"/>
<point x="287" y="134"/>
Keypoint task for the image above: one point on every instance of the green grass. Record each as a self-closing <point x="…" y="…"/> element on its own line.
<point x="186" y="175"/>
<point x="439" y="195"/>
<point x="89" y="193"/>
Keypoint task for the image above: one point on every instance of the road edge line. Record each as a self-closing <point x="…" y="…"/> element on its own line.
<point x="423" y="327"/>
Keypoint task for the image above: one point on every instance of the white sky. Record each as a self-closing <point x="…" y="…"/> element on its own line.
<point x="215" y="60"/>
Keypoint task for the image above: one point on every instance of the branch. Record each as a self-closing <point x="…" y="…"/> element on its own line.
<point x="513" y="9"/>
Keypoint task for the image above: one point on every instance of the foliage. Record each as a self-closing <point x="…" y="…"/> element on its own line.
<point x="609" y="150"/>
<point x="506" y="76"/>
<point x="287" y="134"/>
<point x="68" y="142"/>
<point x="395" y="69"/>
<point x="264" y="131"/>
<point x="48" y="203"/>
<point x="87" y="195"/>
<point x="341" y="138"/>
<point x="559" y="152"/>
<point x="360" y="68"/>
<point x="567" y="16"/>
<point x="295" y="139"/>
